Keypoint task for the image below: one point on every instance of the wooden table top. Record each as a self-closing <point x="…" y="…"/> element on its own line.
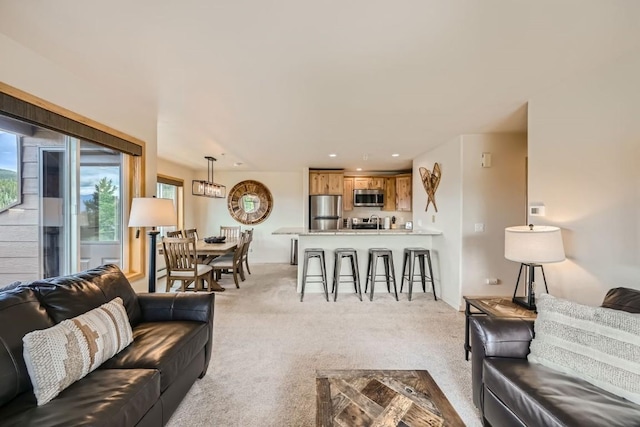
<point x="500" y="307"/>
<point x="216" y="248"/>
<point x="381" y="398"/>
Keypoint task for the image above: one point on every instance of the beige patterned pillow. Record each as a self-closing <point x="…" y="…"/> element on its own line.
<point x="58" y="356"/>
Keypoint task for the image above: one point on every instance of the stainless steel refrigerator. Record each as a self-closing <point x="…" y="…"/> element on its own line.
<point x="325" y="212"/>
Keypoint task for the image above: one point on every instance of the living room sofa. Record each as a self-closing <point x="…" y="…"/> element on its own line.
<point x="511" y="391"/>
<point x="140" y="386"/>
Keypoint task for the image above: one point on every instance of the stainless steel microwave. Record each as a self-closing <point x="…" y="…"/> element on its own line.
<point x="368" y="198"/>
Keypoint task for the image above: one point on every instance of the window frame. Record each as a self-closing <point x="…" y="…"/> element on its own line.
<point x="18" y="174"/>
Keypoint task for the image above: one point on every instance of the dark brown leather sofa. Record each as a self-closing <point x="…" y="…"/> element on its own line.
<point x="510" y="391"/>
<point x="140" y="386"/>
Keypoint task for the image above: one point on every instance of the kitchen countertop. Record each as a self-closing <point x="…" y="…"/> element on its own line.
<point x="302" y="231"/>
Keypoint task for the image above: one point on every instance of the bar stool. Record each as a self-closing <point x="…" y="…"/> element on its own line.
<point x="410" y="255"/>
<point x="314" y="253"/>
<point x="372" y="264"/>
<point x="352" y="254"/>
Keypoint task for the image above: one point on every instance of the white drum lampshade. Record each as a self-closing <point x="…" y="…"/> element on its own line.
<point x="152" y="212"/>
<point x="540" y="244"/>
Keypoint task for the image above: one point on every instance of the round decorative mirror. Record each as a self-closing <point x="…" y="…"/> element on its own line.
<point x="249" y="202"/>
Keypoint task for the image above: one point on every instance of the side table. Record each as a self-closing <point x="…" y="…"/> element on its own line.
<point x="494" y="307"/>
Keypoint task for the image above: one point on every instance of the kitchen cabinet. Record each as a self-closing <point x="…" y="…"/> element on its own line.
<point x="326" y="182"/>
<point x="369" y="183"/>
<point x="403" y="192"/>
<point x="347" y="196"/>
<point x="389" y="194"/>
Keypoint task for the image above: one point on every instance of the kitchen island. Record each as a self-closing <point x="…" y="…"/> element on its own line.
<point x="361" y="240"/>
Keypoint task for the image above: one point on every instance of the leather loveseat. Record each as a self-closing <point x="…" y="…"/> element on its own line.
<point x="140" y="386"/>
<point x="510" y="391"/>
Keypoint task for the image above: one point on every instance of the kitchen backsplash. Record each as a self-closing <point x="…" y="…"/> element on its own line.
<point x="401" y="217"/>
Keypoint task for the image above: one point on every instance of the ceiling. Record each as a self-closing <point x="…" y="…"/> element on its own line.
<point x="279" y="85"/>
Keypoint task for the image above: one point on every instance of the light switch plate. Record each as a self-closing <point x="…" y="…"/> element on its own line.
<point x="479" y="228"/>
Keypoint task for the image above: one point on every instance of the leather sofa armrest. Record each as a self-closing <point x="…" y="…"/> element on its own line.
<point x="496" y="337"/>
<point x="197" y="307"/>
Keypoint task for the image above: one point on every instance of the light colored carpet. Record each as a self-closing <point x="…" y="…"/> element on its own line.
<point x="268" y="345"/>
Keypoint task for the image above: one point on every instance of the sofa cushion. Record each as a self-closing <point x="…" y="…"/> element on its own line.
<point x="65" y="297"/>
<point x="20" y="313"/>
<point x="625" y="299"/>
<point x="166" y="346"/>
<point x="58" y="356"/>
<point x="541" y="396"/>
<point x="102" y="398"/>
<point x="599" y="345"/>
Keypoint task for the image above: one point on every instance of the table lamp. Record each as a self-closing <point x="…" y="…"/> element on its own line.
<point x="532" y="246"/>
<point x="152" y="212"/>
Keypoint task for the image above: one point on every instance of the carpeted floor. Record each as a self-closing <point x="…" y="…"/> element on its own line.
<point x="268" y="345"/>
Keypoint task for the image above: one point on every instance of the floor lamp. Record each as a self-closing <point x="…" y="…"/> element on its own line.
<point x="152" y="212"/>
<point x="532" y="246"/>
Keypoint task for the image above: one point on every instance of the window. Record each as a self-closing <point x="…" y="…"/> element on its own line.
<point x="9" y="170"/>
<point x="75" y="180"/>
<point x="171" y="188"/>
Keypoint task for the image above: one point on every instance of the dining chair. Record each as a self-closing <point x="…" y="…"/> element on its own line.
<point x="245" y="251"/>
<point x="230" y="232"/>
<point x="231" y="263"/>
<point x="177" y="233"/>
<point x="191" y="232"/>
<point x="181" y="258"/>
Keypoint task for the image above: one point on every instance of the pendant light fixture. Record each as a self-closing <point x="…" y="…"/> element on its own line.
<point x="208" y="188"/>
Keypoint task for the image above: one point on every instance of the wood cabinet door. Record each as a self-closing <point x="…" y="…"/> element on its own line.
<point x="376" y="183"/>
<point x="335" y="183"/>
<point x="403" y="193"/>
<point x="361" y="183"/>
<point x="347" y="195"/>
<point x="315" y="185"/>
<point x="389" y="194"/>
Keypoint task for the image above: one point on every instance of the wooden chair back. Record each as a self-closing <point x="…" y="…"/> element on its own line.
<point x="177" y="233"/>
<point x="181" y="258"/>
<point x="230" y="232"/>
<point x="191" y="232"/>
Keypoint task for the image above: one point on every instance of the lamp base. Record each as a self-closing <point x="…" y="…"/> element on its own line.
<point x="529" y="300"/>
<point x="524" y="302"/>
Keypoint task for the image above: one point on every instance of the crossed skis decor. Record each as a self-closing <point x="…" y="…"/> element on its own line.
<point x="430" y="181"/>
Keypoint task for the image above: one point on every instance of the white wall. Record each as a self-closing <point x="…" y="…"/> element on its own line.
<point x="584" y="152"/>
<point x="467" y="195"/>
<point x="495" y="197"/>
<point x="288" y="211"/>
<point x="446" y="249"/>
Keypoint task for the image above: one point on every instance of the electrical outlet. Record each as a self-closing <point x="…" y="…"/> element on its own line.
<point x="433" y="218"/>
<point x="479" y="228"/>
<point x="492" y="281"/>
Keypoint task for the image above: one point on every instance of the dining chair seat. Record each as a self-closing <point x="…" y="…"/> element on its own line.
<point x="200" y="270"/>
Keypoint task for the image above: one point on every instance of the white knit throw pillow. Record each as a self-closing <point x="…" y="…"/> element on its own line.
<point x="58" y="356"/>
<point x="599" y="345"/>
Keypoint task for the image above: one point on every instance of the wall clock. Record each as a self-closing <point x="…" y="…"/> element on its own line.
<point x="250" y="202"/>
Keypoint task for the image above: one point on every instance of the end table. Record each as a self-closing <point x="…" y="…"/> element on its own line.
<point x="494" y="307"/>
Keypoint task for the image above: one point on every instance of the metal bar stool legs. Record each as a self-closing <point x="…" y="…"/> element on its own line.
<point x="352" y="254"/>
<point x="389" y="270"/>
<point x="314" y="253"/>
<point x="410" y="255"/>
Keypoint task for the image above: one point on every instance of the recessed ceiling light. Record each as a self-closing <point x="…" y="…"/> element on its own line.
<point x="333" y="155"/>
<point x="395" y="155"/>
<point x="358" y="169"/>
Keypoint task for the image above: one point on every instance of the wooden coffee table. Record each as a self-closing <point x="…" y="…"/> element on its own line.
<point x="381" y="398"/>
<point x="491" y="306"/>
